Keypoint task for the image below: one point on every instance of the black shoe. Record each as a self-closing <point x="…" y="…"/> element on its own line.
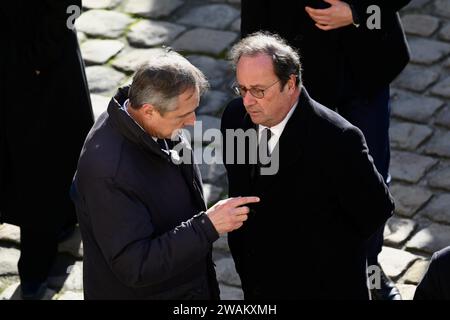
<point x="387" y="289"/>
<point x="33" y="290"/>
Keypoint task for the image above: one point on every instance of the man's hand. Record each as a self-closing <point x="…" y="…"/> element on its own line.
<point x="229" y="214"/>
<point x="337" y="16"/>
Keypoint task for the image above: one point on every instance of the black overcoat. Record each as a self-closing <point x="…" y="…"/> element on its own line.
<point x="306" y="238"/>
<point x="45" y="112"/>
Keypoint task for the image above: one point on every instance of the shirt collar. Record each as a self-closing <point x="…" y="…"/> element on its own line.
<point x="125" y="108"/>
<point x="277" y="130"/>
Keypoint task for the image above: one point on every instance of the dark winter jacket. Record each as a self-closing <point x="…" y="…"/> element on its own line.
<point x="141" y="216"/>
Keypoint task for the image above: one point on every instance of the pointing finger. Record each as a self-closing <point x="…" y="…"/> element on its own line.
<point x="244" y="200"/>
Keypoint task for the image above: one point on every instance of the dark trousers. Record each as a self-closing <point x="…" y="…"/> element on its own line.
<point x="371" y="115"/>
<point x="38" y="251"/>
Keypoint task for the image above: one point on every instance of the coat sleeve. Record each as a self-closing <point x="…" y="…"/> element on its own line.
<point x="362" y="192"/>
<point x="435" y="284"/>
<point x="229" y="121"/>
<point x="388" y="10"/>
<point x="122" y="227"/>
<point x="428" y="288"/>
<point x="386" y="6"/>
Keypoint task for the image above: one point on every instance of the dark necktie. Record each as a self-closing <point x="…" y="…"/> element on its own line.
<point x="162" y="144"/>
<point x="266" y="134"/>
<point x="263" y="150"/>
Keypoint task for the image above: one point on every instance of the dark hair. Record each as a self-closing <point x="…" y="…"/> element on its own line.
<point x="286" y="60"/>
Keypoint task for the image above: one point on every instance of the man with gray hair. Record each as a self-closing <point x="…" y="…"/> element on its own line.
<point x="146" y="231"/>
<point x="306" y="238"/>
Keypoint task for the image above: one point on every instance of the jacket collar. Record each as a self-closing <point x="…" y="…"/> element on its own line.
<point x="291" y="143"/>
<point x="129" y="128"/>
<point x="134" y="133"/>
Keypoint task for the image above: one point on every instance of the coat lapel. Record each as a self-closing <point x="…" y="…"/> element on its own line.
<point x="290" y="146"/>
<point x="191" y="174"/>
<point x="252" y="168"/>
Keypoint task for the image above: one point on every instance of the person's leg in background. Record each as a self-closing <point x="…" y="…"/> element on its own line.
<point x="38" y="250"/>
<point x="371" y="116"/>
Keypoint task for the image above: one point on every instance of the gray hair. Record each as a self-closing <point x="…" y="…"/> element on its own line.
<point x="286" y="61"/>
<point x="161" y="80"/>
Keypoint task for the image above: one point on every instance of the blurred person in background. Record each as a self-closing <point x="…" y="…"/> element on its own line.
<point x="45" y="114"/>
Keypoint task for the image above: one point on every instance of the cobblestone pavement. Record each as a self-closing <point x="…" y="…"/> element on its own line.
<point x="116" y="35"/>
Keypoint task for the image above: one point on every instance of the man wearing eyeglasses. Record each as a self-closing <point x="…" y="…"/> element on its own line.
<point x="351" y="51"/>
<point x="306" y="237"/>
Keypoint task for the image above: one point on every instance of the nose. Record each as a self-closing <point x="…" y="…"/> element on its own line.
<point x="191" y="120"/>
<point x="248" y="99"/>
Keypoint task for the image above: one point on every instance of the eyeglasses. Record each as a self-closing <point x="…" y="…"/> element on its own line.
<point x="256" y="92"/>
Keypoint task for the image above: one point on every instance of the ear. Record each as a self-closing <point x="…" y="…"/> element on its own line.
<point x="291" y="82"/>
<point x="148" y="110"/>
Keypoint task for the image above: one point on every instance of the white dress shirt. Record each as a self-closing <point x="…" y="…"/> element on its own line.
<point x="276" y="130"/>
